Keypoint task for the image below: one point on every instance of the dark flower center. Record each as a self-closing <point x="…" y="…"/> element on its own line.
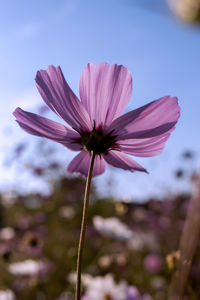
<point x="34" y="242"/>
<point x="6" y="255"/>
<point x="108" y="297"/>
<point x="97" y="141"/>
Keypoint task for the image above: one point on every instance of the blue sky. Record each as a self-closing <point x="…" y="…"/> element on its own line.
<point x="161" y="53"/>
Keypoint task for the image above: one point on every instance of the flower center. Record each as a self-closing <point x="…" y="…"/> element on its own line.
<point x="97" y="141"/>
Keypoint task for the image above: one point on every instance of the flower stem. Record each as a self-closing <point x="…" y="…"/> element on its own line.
<point x="83" y="228"/>
<point x="188" y="246"/>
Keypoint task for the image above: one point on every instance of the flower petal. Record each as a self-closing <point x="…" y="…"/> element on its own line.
<point x="153" y="119"/>
<point x="144" y="147"/>
<point x="40" y="126"/>
<point x="60" y="98"/>
<point x="121" y="160"/>
<point x="105" y="91"/>
<point x="81" y="162"/>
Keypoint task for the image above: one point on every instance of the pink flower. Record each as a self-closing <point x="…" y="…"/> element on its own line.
<point x="153" y="263"/>
<point x="95" y="123"/>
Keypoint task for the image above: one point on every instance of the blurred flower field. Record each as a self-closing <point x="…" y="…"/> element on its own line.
<point x="131" y="249"/>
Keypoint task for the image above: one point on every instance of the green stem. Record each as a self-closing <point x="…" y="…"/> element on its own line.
<point x="83" y="228"/>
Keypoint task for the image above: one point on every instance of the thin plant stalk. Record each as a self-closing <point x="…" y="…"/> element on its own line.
<point x="83" y="228"/>
<point x="188" y="245"/>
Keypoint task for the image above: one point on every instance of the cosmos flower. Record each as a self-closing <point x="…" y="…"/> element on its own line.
<point x="112" y="227"/>
<point x="103" y="288"/>
<point x="153" y="263"/>
<point x="7" y="233"/>
<point x="95" y="121"/>
<point x="27" y="267"/>
<point x="7" y="295"/>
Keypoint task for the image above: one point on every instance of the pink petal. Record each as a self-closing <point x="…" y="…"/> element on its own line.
<point x="60" y="98"/>
<point x="150" y="120"/>
<point x="105" y="91"/>
<point x="40" y="126"/>
<point x="144" y="147"/>
<point x="81" y="162"/>
<point x="121" y="160"/>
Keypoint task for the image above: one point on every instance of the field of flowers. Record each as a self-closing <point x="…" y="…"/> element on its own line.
<point x="131" y="249"/>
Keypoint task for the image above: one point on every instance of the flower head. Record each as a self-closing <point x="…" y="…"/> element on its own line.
<point x="104" y="288"/>
<point x="112" y="227"/>
<point x="153" y="263"/>
<point x="95" y="122"/>
<point x="28" y="267"/>
<point x="7" y="295"/>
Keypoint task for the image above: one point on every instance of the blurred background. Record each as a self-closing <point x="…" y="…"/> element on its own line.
<point x="159" y="42"/>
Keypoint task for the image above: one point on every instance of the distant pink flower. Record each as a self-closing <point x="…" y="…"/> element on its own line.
<point x="153" y="263"/>
<point x="95" y="121"/>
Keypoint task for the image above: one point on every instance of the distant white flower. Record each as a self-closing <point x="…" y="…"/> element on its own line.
<point x="103" y="288"/>
<point x="8" y="198"/>
<point x="143" y="239"/>
<point x="7" y="233"/>
<point x="7" y="295"/>
<point x="105" y="261"/>
<point x="27" y="267"/>
<point x="72" y="277"/>
<point x="112" y="227"/>
<point x="67" y="212"/>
